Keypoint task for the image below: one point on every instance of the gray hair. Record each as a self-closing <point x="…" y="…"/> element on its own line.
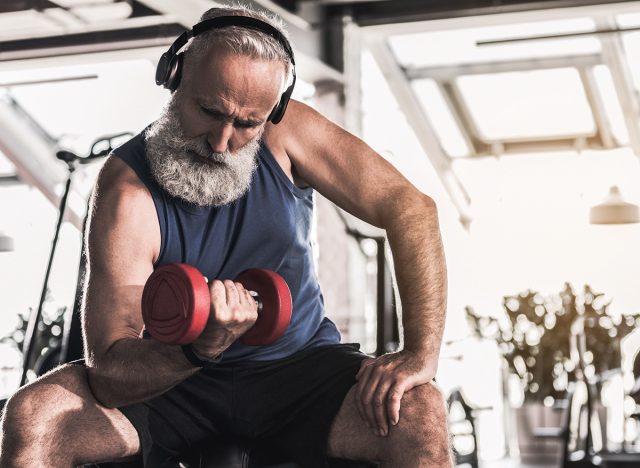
<point x="238" y="40"/>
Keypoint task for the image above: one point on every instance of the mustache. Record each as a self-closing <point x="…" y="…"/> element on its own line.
<point x="198" y="148"/>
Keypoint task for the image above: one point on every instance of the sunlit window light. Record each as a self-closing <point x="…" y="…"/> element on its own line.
<point x="6" y="166"/>
<point x="80" y="111"/>
<point x="528" y="105"/>
<point x="628" y="20"/>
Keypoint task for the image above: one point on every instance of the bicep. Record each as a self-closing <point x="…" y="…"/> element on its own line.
<point x="121" y="237"/>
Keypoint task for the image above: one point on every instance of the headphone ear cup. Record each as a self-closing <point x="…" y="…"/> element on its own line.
<point x="275" y="112"/>
<point x="174" y="72"/>
<point x="278" y="111"/>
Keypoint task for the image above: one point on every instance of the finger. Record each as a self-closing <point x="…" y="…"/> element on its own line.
<point x="368" y="398"/>
<point x="363" y="365"/>
<point x="233" y="296"/>
<point x="360" y="390"/>
<point x="380" y="406"/>
<point x="218" y="295"/>
<point x="246" y="298"/>
<point x="394" y="398"/>
<point x="249" y="303"/>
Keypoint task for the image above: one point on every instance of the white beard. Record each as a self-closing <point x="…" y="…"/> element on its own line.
<point x="187" y="168"/>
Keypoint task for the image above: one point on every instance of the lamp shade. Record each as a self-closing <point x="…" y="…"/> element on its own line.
<point x="6" y="242"/>
<point x="614" y="210"/>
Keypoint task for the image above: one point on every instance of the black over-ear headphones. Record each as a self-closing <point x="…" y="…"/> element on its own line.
<point x="169" y="69"/>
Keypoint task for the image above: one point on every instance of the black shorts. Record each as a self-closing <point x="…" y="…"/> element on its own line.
<point x="286" y="405"/>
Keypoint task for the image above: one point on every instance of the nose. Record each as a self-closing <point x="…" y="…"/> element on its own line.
<point x="219" y="137"/>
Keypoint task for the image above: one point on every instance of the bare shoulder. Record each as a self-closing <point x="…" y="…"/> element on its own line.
<point x="279" y="138"/>
<point x="299" y="135"/>
<point x="123" y="241"/>
<point x="122" y="214"/>
<point x="339" y="165"/>
<point x="300" y="123"/>
<point x="117" y="179"/>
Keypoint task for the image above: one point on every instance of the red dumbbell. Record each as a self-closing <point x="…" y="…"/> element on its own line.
<point x="176" y="304"/>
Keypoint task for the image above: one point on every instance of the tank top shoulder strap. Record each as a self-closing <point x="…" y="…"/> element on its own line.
<point x="133" y="152"/>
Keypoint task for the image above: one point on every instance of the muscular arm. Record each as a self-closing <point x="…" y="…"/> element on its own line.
<point x="349" y="173"/>
<point x="352" y="175"/>
<point x="123" y="241"/>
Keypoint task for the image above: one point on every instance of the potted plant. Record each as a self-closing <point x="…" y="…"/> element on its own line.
<point x="534" y="335"/>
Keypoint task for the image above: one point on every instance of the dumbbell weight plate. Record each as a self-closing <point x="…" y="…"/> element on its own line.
<point x="176" y="303"/>
<point x="275" y="297"/>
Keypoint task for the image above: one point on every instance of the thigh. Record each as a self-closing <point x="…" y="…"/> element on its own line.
<point x="60" y="411"/>
<point x="421" y="433"/>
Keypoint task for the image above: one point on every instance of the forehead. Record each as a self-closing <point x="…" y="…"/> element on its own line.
<point x="237" y="80"/>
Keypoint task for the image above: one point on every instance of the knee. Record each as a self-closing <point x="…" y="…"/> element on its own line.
<point x="423" y="424"/>
<point x="39" y="409"/>
<point x="424" y="406"/>
<point x="20" y="413"/>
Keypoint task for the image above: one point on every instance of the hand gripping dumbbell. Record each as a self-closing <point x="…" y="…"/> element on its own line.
<point x="176" y="303"/>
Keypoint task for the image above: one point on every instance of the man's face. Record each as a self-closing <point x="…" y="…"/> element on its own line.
<point x="203" y="147"/>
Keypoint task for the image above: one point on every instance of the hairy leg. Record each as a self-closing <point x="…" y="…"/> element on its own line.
<point x="56" y="422"/>
<point x="420" y="439"/>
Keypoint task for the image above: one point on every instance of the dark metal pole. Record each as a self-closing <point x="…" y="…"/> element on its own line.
<point x="387" y="324"/>
<point x="34" y="319"/>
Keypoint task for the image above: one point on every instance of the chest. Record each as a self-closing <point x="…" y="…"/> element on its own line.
<point x="260" y="230"/>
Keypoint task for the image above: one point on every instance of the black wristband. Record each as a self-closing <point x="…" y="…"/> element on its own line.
<point x="198" y="360"/>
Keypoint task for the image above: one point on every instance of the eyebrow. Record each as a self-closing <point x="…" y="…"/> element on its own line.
<point x="214" y="111"/>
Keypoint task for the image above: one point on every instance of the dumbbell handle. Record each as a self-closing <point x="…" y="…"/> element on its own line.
<point x="256" y="297"/>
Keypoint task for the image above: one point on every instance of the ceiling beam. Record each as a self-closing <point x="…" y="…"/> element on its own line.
<point x="377" y="12"/>
<point x="90" y="42"/>
<point x="501" y="16"/>
<point x="32" y="154"/>
<point x="614" y="57"/>
<point x="451" y="72"/>
<point x="598" y="109"/>
<point x="422" y="127"/>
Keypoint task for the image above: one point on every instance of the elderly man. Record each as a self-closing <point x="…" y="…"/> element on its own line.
<point x="224" y="181"/>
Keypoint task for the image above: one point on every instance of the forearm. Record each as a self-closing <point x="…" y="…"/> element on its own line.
<point x="421" y="274"/>
<point x="134" y="370"/>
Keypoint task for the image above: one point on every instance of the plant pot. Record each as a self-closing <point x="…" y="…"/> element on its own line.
<point x="531" y="420"/>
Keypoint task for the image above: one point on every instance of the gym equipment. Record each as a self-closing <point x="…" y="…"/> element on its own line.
<point x="176" y="303"/>
<point x="99" y="149"/>
<point x="169" y="70"/>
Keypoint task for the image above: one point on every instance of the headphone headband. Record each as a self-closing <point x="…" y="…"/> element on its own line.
<point x="248" y="23"/>
<point x="169" y="70"/>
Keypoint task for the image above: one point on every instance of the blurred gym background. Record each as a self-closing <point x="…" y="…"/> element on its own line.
<point x="521" y="119"/>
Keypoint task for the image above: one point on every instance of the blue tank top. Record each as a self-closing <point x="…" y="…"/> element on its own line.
<point x="269" y="227"/>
